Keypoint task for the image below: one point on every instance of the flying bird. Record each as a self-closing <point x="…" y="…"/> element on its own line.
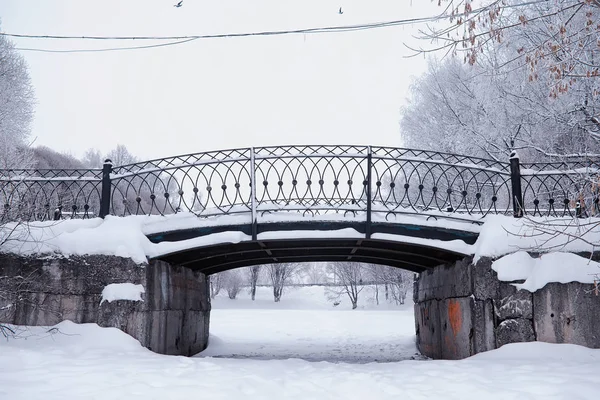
<point x="340" y="12"/>
<point x="179" y="4"/>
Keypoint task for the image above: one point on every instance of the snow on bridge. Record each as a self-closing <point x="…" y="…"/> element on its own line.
<point x="185" y="238"/>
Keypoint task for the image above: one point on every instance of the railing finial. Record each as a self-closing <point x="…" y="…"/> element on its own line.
<point x="106" y="186"/>
<point x="515" y="180"/>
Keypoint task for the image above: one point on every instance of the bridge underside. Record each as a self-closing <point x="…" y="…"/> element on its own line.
<point x="213" y="259"/>
<point x="221" y="257"/>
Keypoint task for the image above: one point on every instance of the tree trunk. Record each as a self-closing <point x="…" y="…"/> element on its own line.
<point x="277" y="294"/>
<point x="253" y="291"/>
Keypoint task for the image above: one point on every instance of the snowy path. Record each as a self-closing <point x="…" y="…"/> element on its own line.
<point x="314" y="335"/>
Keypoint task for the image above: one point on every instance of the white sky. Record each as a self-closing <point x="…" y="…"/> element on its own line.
<point x="338" y="88"/>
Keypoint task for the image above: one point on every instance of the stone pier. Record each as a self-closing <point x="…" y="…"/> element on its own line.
<point x="172" y="318"/>
<point x="463" y="309"/>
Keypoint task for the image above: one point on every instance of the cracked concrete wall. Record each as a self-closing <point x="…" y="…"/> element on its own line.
<point x="173" y="317"/>
<point x="463" y="309"/>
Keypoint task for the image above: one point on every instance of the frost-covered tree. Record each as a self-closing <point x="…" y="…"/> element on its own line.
<point x="482" y="110"/>
<point x="16" y="113"/>
<point x="16" y="108"/>
<point x="232" y="282"/>
<point x="534" y="81"/>
<point x="92" y="158"/>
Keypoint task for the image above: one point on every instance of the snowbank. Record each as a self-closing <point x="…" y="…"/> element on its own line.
<point x="551" y="267"/>
<point x="543" y="352"/>
<point x="122" y="291"/>
<point x="110" y="236"/>
<point x="502" y="235"/>
<point x="89" y="362"/>
<point x="116" y="236"/>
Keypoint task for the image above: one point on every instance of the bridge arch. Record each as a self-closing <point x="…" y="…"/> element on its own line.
<point x="223" y="257"/>
<point x="412" y="247"/>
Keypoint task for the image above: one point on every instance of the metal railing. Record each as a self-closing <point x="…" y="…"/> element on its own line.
<point x="366" y="182"/>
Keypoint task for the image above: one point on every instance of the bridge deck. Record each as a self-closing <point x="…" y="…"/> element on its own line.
<point x="411" y="247"/>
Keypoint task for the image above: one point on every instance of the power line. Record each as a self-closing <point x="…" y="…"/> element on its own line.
<point x="239" y="34"/>
<point x="187" y="38"/>
<point x="175" y="40"/>
<point x="149" y="46"/>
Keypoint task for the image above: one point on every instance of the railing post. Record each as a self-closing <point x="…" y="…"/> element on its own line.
<point x="105" y="199"/>
<point x="515" y="180"/>
<point x="368" y="189"/>
<point x="578" y="209"/>
<point x="253" y="193"/>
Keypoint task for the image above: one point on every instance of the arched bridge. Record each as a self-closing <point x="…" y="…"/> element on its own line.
<point x="408" y="208"/>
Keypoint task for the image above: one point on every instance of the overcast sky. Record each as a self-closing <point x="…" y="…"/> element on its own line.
<point x="217" y="93"/>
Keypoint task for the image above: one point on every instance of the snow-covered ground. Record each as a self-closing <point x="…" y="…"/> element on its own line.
<point x="87" y="362"/>
<point x="306" y="325"/>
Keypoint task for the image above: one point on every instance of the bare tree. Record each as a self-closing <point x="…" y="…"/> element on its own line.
<point x="348" y="278"/>
<point x="92" y="158"/>
<point x="120" y="155"/>
<point x="315" y="273"/>
<point x="14" y="291"/>
<point x="216" y="284"/>
<point x="16" y="286"/>
<point x="397" y="282"/>
<point x="253" y="275"/>
<point x="280" y="275"/>
<point x="232" y="282"/>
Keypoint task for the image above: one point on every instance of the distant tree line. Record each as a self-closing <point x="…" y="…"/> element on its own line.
<point x="341" y="279"/>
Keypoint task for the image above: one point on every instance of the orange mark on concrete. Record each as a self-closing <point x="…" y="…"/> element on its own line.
<point x="454" y="316"/>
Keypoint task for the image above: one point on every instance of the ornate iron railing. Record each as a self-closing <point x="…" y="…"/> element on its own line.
<point x="363" y="181"/>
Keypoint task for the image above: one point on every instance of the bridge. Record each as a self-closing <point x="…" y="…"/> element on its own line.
<point x="214" y="211"/>
<point x="394" y="206"/>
